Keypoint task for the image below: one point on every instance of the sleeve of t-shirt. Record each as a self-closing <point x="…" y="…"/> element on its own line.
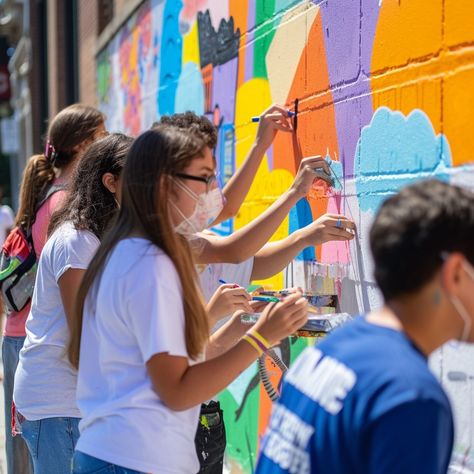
<point x="76" y="250"/>
<point x="411" y="438"/>
<point x="43" y="216"/>
<point x="155" y="310"/>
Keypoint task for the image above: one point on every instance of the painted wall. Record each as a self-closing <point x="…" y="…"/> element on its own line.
<point x="385" y="88"/>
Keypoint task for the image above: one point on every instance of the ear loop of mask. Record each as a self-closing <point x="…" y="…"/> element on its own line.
<point x="187" y="190"/>
<point x="458" y="305"/>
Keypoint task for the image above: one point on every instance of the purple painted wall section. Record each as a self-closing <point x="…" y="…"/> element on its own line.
<point x="347" y="60"/>
<point x="224" y="85"/>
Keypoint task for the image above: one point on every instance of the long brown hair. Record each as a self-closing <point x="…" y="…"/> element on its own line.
<point x="153" y="158"/>
<point x="72" y="127"/>
<point x="37" y="178"/>
<point x="90" y="205"/>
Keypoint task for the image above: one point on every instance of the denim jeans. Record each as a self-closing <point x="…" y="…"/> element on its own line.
<point x="18" y="457"/>
<point x="210" y="439"/>
<point x="85" y="464"/>
<point x="51" y="443"/>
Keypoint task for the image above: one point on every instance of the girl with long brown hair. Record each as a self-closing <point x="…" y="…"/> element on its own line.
<point x="43" y="189"/>
<point x="141" y="328"/>
<point x="45" y="383"/>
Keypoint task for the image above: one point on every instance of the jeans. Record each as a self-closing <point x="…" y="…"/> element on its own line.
<point x="211" y="439"/>
<point x="18" y="458"/>
<point x="51" y="443"/>
<point x="85" y="464"/>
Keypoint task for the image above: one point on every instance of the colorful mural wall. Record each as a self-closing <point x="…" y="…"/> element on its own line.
<point x="385" y="88"/>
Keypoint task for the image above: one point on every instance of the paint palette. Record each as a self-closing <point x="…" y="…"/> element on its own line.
<point x="316" y="326"/>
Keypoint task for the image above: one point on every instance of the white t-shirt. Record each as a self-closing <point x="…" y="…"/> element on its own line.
<point x="7" y="220"/>
<point x="133" y="313"/>
<point x="45" y="382"/>
<point x="238" y="273"/>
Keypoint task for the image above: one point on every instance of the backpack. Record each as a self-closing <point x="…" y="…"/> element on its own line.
<point x="18" y="264"/>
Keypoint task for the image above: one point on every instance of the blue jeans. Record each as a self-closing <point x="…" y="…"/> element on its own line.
<point x="51" y="443"/>
<point x="18" y="458"/>
<point x="85" y="464"/>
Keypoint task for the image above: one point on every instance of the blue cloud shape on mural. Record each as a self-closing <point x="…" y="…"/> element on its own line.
<point x="394" y="151"/>
<point x="190" y="90"/>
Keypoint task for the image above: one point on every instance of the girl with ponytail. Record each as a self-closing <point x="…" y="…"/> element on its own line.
<point x="43" y="189"/>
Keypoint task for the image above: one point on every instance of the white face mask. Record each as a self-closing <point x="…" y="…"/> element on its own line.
<point x="460" y="308"/>
<point x="208" y="207"/>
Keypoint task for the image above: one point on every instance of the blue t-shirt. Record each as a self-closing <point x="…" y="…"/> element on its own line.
<point x="362" y="401"/>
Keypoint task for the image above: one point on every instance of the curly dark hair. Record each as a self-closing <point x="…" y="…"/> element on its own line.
<point x="413" y="228"/>
<point x="198" y="125"/>
<point x="90" y="205"/>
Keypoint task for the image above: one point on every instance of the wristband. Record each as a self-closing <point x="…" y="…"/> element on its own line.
<point x="252" y="342"/>
<point x="262" y="347"/>
<point x="254" y="333"/>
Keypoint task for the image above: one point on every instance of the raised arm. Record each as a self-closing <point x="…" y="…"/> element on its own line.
<point x="275" y="256"/>
<point x="247" y="241"/>
<point x="275" y="118"/>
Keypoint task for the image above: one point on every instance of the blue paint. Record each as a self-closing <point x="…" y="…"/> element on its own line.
<point x="301" y="216"/>
<point x="190" y="90"/>
<point x="394" y="151"/>
<point x="170" y="53"/>
<point x="337" y="173"/>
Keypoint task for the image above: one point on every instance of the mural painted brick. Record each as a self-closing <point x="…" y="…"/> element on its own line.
<point x="384" y="89"/>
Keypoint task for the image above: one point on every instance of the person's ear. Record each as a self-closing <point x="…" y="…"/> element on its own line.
<point x="110" y="182"/>
<point x="452" y="273"/>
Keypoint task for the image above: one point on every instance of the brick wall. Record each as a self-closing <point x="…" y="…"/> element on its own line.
<point x="87" y="35"/>
<point x="385" y="89"/>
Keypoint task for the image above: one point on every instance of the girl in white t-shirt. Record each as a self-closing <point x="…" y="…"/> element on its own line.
<point x="45" y="382"/>
<point x="144" y="327"/>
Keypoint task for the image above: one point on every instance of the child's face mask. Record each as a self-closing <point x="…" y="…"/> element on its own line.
<point x="208" y="207"/>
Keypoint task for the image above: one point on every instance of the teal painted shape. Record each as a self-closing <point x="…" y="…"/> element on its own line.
<point x="395" y="150"/>
<point x="171" y="55"/>
<point x="190" y="90"/>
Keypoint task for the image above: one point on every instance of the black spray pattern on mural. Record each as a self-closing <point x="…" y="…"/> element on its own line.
<point x="217" y="47"/>
<point x="255" y="382"/>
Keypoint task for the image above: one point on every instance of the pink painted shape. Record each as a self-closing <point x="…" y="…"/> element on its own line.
<point x="335" y="252"/>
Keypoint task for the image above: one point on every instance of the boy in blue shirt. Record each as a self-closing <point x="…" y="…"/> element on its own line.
<point x="364" y="400"/>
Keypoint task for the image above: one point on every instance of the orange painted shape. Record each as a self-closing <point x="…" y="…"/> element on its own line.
<point x="406" y="30"/>
<point x="458" y="16"/>
<point x="316" y="126"/>
<point x="423" y="94"/>
<point x="238" y="10"/>
<point x="265" y="406"/>
<point x="458" y="119"/>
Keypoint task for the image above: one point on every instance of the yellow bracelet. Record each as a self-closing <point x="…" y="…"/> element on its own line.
<point x="258" y="336"/>
<point x="253" y="344"/>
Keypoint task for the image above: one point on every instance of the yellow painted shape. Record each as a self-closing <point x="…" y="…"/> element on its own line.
<point x="191" y="46"/>
<point x="287" y="46"/>
<point x="406" y="30"/>
<point x="458" y="16"/>
<point x="411" y="70"/>
<point x="459" y="114"/>
<point x="251" y="99"/>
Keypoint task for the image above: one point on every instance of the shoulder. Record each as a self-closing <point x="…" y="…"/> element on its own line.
<point x="70" y="240"/>
<point x="142" y="259"/>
